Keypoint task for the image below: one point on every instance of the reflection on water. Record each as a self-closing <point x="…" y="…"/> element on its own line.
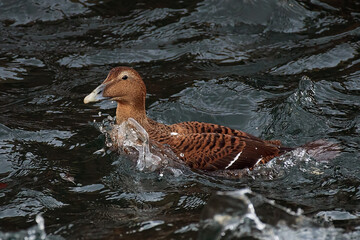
<point x="285" y="70"/>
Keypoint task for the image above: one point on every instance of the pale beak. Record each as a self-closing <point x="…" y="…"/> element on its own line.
<point x="96" y="95"/>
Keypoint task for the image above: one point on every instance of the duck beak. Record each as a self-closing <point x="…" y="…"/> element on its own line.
<point x="96" y="95"/>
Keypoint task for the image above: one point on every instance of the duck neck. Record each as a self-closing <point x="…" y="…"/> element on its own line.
<point x="125" y="111"/>
<point x="153" y="128"/>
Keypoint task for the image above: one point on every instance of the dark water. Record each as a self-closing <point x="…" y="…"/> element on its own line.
<point x="287" y="70"/>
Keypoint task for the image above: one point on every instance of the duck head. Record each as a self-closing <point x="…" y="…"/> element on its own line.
<point x="125" y="86"/>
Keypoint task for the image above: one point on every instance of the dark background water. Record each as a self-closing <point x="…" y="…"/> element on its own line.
<point x="287" y="70"/>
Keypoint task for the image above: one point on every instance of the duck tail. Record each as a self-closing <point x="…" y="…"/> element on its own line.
<point x="322" y="150"/>
<point x="284" y="149"/>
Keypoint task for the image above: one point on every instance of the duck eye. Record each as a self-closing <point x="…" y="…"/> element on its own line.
<point x="125" y="77"/>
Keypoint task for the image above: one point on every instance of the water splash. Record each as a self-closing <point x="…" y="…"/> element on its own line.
<point x="281" y="166"/>
<point x="243" y="213"/>
<point x="131" y="138"/>
<point x="36" y="232"/>
<point x="131" y="135"/>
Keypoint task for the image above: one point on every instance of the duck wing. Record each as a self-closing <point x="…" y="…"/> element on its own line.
<point x="201" y="127"/>
<point x="215" y="151"/>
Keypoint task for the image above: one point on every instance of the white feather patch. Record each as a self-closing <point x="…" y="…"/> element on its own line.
<point x="233" y="161"/>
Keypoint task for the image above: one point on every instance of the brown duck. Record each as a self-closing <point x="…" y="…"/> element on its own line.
<point x="200" y="145"/>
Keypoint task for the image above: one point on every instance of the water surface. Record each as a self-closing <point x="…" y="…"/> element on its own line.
<point x="287" y="70"/>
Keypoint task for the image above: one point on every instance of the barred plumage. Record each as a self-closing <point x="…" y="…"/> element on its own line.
<point x="200" y="145"/>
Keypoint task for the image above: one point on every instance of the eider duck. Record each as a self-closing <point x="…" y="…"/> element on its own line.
<point x="200" y="145"/>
